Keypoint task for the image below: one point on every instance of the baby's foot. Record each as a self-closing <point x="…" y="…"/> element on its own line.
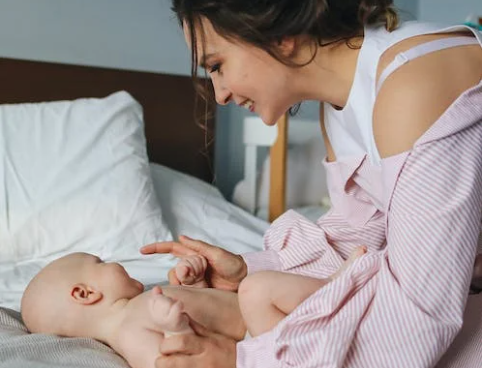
<point x="168" y="313"/>
<point x="357" y="252"/>
<point x="190" y="271"/>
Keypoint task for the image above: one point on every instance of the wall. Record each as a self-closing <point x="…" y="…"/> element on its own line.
<point x="126" y="34"/>
<point x="448" y="11"/>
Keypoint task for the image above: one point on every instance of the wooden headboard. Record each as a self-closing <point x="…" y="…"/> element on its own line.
<point x="173" y="137"/>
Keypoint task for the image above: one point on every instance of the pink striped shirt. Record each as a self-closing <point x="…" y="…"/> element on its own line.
<point x="402" y="304"/>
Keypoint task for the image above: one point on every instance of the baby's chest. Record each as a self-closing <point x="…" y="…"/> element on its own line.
<point x="140" y="347"/>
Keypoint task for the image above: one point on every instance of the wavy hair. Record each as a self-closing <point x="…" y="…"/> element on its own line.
<point x="264" y="23"/>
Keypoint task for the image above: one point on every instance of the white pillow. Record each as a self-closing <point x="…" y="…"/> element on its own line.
<point x="190" y="207"/>
<point x="197" y="209"/>
<point x="75" y="177"/>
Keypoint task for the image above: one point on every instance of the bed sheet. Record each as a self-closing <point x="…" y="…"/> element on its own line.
<point x="190" y="207"/>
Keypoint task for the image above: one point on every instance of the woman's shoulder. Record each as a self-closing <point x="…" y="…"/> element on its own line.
<point x="415" y="96"/>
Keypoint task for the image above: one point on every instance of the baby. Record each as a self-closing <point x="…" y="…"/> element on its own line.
<point x="80" y="296"/>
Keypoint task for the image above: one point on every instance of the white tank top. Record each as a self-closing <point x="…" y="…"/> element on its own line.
<point x="350" y="130"/>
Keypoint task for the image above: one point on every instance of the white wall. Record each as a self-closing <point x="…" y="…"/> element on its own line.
<point x="126" y="34"/>
<point x="448" y="11"/>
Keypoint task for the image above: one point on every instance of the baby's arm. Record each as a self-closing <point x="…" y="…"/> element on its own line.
<point x="190" y="271"/>
<point x="168" y="314"/>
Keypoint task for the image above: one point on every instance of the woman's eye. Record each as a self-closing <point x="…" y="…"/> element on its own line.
<point x="215" y="68"/>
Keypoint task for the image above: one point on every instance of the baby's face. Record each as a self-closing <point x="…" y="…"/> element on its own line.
<point x="109" y="278"/>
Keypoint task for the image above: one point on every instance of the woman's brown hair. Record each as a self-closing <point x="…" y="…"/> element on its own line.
<point x="264" y="23"/>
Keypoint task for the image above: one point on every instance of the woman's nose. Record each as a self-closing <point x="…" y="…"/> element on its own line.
<point x="223" y="96"/>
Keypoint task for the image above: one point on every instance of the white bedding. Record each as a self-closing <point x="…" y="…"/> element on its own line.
<point x="189" y="207"/>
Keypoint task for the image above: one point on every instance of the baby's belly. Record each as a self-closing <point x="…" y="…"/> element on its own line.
<point x="141" y="349"/>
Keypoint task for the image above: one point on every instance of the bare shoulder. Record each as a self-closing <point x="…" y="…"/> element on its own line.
<point x="418" y="93"/>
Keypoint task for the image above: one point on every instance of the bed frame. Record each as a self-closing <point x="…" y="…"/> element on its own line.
<point x="257" y="134"/>
<point x="173" y="137"/>
<point x="277" y="182"/>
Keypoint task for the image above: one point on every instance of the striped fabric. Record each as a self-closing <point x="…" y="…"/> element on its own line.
<point x="402" y="304"/>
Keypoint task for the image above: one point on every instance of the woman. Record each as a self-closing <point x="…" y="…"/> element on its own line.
<point x="400" y="110"/>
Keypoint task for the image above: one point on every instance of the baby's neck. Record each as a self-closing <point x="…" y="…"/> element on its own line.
<point x="106" y="327"/>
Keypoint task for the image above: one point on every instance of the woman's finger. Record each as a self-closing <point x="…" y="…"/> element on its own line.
<point x="173" y="279"/>
<point x="200" y="329"/>
<point x="198" y="246"/>
<point x="178" y="361"/>
<point x="171" y="247"/>
<point x="187" y="344"/>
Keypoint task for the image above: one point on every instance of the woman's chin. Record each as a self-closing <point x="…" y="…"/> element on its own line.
<point x="271" y="119"/>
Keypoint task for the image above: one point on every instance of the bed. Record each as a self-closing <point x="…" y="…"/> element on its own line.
<point x="114" y="162"/>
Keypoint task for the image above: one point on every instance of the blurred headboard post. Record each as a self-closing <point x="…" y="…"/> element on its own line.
<point x="255" y="135"/>
<point x="278" y="152"/>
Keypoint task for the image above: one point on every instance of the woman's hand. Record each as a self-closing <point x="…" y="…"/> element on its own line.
<point x="200" y="350"/>
<point x="225" y="270"/>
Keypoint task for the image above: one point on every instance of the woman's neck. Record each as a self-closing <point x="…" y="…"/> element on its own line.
<point x="329" y="77"/>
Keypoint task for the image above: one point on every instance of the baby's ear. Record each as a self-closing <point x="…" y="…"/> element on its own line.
<point x="84" y="294"/>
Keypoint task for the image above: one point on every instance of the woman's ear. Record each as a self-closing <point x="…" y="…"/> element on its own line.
<point x="287" y="46"/>
<point x="84" y="294"/>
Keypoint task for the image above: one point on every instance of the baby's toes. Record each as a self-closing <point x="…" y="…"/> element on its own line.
<point x="358" y="252"/>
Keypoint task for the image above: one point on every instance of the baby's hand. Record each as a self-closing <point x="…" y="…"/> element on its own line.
<point x="190" y="271"/>
<point x="168" y="313"/>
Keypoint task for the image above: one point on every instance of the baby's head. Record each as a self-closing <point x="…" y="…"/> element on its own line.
<point x="73" y="291"/>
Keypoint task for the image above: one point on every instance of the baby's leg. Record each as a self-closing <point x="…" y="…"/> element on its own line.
<point x="265" y="298"/>
<point x="190" y="271"/>
<point x="168" y="313"/>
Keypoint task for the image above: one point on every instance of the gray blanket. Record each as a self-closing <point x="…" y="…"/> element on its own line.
<point x="19" y="349"/>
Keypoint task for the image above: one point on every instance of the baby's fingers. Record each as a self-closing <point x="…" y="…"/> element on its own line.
<point x="173" y="279"/>
<point x="183" y="274"/>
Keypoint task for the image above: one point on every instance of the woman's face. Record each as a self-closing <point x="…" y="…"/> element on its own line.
<point x="243" y="74"/>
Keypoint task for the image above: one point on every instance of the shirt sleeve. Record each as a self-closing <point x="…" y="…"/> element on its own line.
<point x="296" y="244"/>
<point x="403" y="304"/>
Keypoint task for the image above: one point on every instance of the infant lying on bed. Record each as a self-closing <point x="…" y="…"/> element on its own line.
<point x="80" y="296"/>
